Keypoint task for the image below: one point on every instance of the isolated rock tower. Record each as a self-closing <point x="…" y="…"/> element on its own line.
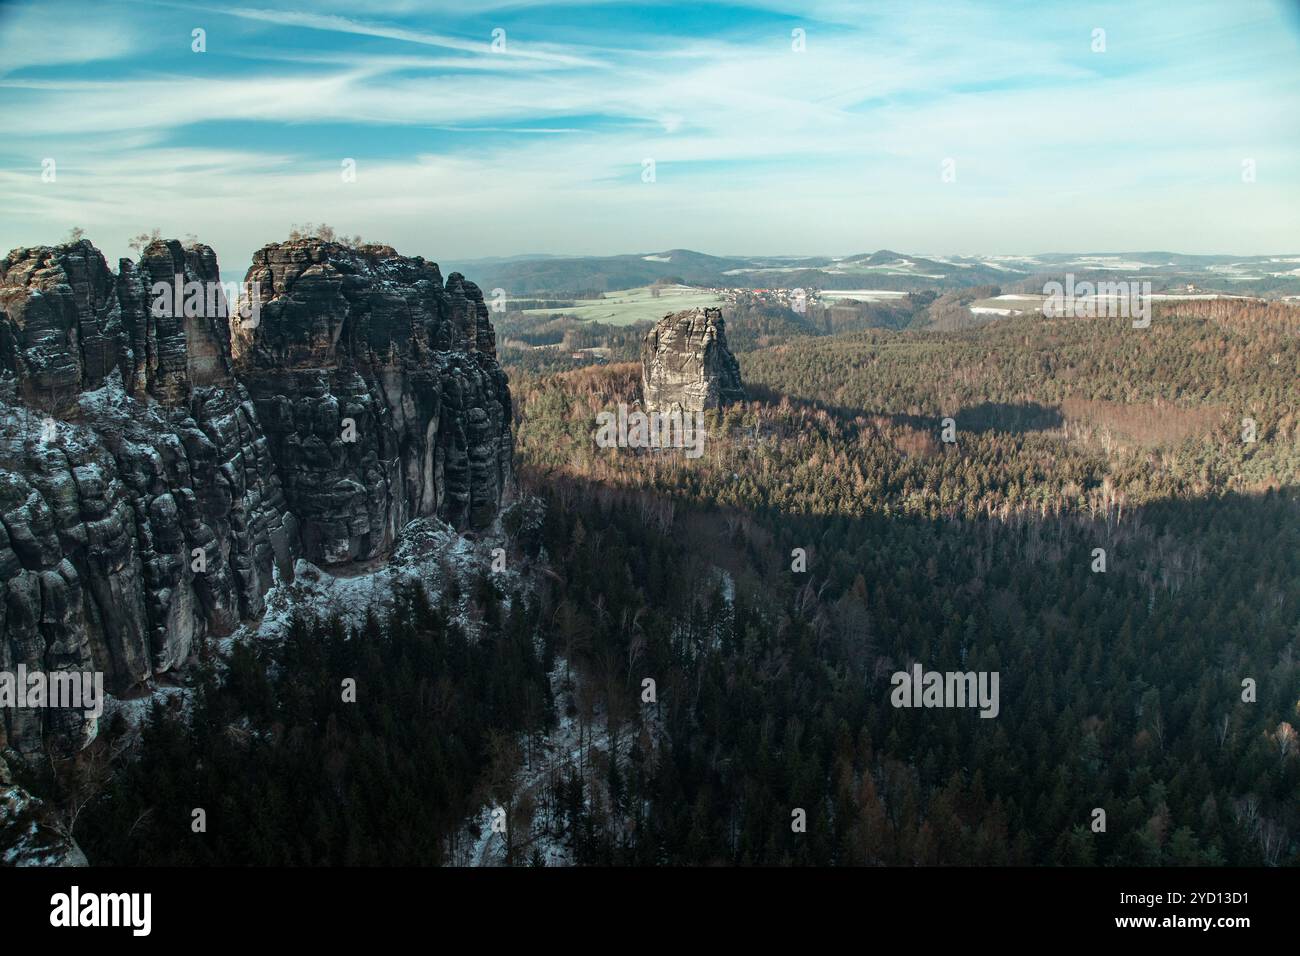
<point x="686" y="365"/>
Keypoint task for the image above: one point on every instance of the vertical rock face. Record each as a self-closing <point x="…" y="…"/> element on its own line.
<point x="139" y="505"/>
<point x="159" y="466"/>
<point x="686" y="365"/>
<point x="380" y="393"/>
<point x="63" y="322"/>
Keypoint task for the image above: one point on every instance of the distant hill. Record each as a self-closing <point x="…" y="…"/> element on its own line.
<point x="1274" y="275"/>
<point x="601" y="273"/>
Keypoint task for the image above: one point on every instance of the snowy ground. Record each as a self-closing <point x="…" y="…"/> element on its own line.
<point x="428" y="552"/>
<point x="135" y="710"/>
<point x="26" y="836"/>
<point x="564" y="749"/>
<point x="560" y="750"/>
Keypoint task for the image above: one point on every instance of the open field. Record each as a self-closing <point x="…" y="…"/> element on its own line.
<point x="861" y="295"/>
<point x="629" y="306"/>
<point x="1017" y="303"/>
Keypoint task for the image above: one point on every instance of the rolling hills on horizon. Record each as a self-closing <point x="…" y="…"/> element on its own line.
<point x="1266" y="275"/>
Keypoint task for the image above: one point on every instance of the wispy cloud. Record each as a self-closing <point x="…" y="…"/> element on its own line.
<point x="759" y="147"/>
<point x="340" y="24"/>
<point x="28" y="39"/>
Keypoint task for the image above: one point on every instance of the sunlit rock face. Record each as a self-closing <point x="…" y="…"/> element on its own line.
<point x="686" y="365"/>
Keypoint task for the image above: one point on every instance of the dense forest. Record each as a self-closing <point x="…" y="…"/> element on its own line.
<point x="289" y="771"/>
<point x="703" y="648"/>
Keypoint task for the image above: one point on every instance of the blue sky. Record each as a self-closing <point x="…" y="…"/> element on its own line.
<point x="463" y="151"/>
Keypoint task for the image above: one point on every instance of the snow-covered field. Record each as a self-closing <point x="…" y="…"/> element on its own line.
<point x="861" y="295"/>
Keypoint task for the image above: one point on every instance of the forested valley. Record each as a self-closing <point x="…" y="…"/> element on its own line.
<point x="831" y="535"/>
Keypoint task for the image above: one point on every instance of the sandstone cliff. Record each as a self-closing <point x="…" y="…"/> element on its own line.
<point x="686" y="365"/>
<point x="159" y="470"/>
<point x="379" y="391"/>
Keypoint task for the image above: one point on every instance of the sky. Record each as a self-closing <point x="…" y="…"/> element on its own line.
<point x="488" y="128"/>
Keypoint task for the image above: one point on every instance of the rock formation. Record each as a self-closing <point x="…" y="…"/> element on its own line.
<point x="160" y="467"/>
<point x="379" y="391"/>
<point x="686" y="365"/>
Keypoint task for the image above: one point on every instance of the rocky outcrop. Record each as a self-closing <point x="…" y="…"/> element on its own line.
<point x="161" y="466"/>
<point x="379" y="391"/>
<point x="30" y="835"/>
<point x="686" y="365"/>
